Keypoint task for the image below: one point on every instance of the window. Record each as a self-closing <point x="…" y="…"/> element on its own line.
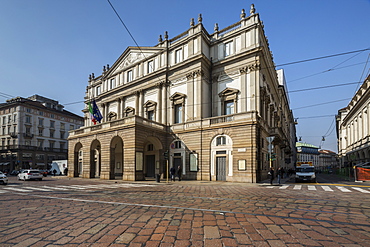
<point x="71" y="127"/>
<point x="62" y="126"/>
<point x="52" y="133"/>
<point x="41" y="131"/>
<point x="151" y="115"/>
<point x="51" y="144"/>
<point x="28" y="119"/>
<point x="28" y="110"/>
<point x="62" y="135"/>
<point x="52" y="124"/>
<point x="178" y="113"/>
<point x="150" y="147"/>
<point x="178" y="56"/>
<point x="229" y="107"/>
<point x="150" y="66"/>
<point x="129" y="76"/>
<point x="40" y="143"/>
<point x="4" y="120"/>
<point x="15" y="118"/>
<point x="52" y="116"/>
<point x="221" y="140"/>
<point x="112" y="83"/>
<point x="28" y="130"/>
<point x="9" y="118"/>
<point x="177" y="144"/>
<point x="228" y="48"/>
<point x="41" y="113"/>
<point x="98" y="90"/>
<point x="41" y="122"/>
<point x="62" y="145"/>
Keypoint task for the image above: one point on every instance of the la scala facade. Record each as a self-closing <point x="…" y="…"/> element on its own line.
<point x="199" y="101"/>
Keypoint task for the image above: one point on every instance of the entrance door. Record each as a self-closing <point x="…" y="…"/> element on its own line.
<point x="150" y="165"/>
<point x="221" y="168"/>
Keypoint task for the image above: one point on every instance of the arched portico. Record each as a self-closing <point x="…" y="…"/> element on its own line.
<point x="95" y="159"/>
<point x="152" y="155"/>
<point x="77" y="161"/>
<point x="116" y="158"/>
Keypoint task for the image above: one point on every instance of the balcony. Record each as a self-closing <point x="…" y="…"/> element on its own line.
<point x="13" y="134"/>
<point x="27" y="135"/>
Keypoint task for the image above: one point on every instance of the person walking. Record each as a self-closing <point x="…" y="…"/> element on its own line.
<point x="271" y="174"/>
<point x="173" y="172"/>
<point x="279" y="174"/>
<point x="179" y="172"/>
<point x="54" y="172"/>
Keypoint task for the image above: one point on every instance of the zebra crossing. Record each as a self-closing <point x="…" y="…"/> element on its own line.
<point x="332" y="188"/>
<point x="44" y="188"/>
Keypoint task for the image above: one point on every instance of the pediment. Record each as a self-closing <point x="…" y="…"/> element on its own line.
<point x="132" y="56"/>
<point x="177" y="96"/>
<point x="228" y="91"/>
<point x="149" y="103"/>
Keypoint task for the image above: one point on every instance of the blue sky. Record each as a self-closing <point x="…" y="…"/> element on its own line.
<point x="49" y="47"/>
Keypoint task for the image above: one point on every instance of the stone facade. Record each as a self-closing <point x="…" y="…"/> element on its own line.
<point x="207" y="100"/>
<point x="353" y="128"/>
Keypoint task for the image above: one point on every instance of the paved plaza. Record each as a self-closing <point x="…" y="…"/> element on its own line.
<point x="83" y="212"/>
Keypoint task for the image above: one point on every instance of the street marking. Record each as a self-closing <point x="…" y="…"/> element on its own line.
<point x="326" y="188"/>
<point x="343" y="189"/>
<point x="284" y="187"/>
<point x="54" y="188"/>
<point x="36" y="188"/>
<point x="17" y="189"/>
<point x="297" y="187"/>
<point x="311" y="187"/>
<point x="361" y="190"/>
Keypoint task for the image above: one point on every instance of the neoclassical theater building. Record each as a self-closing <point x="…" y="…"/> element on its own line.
<point x="204" y="102"/>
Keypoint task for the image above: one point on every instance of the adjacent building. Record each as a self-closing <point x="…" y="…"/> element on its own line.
<point x="353" y="128"/>
<point x="201" y="101"/>
<point x="308" y="153"/>
<point x="34" y="132"/>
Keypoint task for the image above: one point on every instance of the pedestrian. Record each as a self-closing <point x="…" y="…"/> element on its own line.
<point x="66" y="171"/>
<point x="179" y="172"/>
<point x="279" y="174"/>
<point x="54" y="172"/>
<point x="271" y="173"/>
<point x="173" y="172"/>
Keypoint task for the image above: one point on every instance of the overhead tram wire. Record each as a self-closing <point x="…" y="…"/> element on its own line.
<point x="329" y="86"/>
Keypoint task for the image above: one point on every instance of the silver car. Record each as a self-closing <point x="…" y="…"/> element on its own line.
<point x="30" y="175"/>
<point x="3" y="179"/>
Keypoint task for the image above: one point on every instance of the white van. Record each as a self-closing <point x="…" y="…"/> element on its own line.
<point x="305" y="172"/>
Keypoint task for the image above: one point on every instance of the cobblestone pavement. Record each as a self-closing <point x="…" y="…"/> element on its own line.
<point x="82" y="212"/>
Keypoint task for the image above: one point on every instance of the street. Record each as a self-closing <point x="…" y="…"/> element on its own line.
<point x="92" y="212"/>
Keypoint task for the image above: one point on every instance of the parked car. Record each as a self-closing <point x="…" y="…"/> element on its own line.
<point x="30" y="175"/>
<point x="14" y="173"/>
<point x="44" y="173"/>
<point x="3" y="179"/>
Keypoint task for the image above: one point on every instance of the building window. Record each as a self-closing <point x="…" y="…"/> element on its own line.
<point x="52" y="115"/>
<point x="41" y="122"/>
<point x="177" y="144"/>
<point x="112" y="83"/>
<point x="150" y="147"/>
<point x="229" y="107"/>
<point x="62" y="146"/>
<point x="41" y="113"/>
<point x="228" y="48"/>
<point x="71" y="127"/>
<point x="178" y="56"/>
<point x="28" y="110"/>
<point x="150" y="66"/>
<point x="28" y="119"/>
<point x="62" y="126"/>
<point x="98" y="90"/>
<point x="28" y="130"/>
<point x="15" y="118"/>
<point x="51" y="144"/>
<point x="40" y="143"/>
<point x="178" y="113"/>
<point x="221" y="140"/>
<point x="41" y="131"/>
<point x="150" y="115"/>
<point x="51" y="133"/>
<point x="62" y="135"/>
<point x="52" y="124"/>
<point x="129" y="76"/>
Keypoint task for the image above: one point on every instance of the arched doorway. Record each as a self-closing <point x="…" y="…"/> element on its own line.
<point x="221" y="157"/>
<point x="152" y="151"/>
<point x="95" y="159"/>
<point x="77" y="161"/>
<point x="116" y="158"/>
